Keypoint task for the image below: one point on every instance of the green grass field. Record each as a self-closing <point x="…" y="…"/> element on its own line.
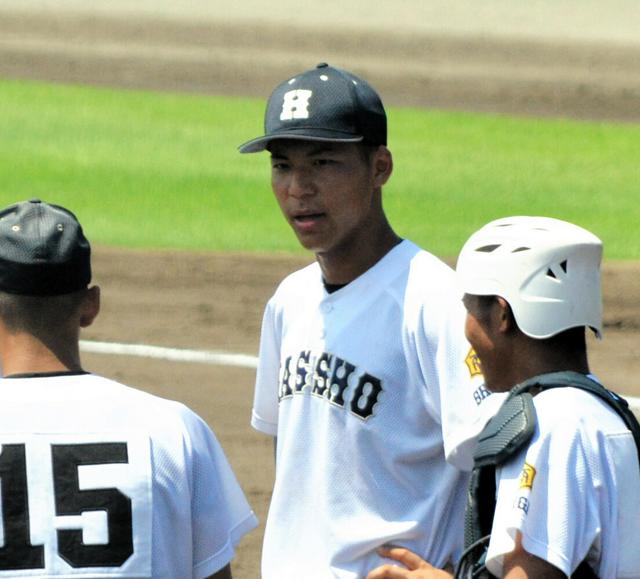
<point x="156" y="170"/>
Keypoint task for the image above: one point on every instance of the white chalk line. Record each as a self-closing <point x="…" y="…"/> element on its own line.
<point x="213" y="357"/>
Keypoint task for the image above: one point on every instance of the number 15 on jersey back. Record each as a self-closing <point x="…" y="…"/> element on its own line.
<point x="71" y="502"/>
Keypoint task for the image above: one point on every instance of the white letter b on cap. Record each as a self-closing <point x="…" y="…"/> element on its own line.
<point x="295" y="104"/>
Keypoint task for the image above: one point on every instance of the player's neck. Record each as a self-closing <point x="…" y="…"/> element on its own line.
<point x="22" y="353"/>
<point x="342" y="265"/>
<point x="538" y="358"/>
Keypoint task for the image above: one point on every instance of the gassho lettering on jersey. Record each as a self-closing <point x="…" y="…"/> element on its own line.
<point x="329" y="377"/>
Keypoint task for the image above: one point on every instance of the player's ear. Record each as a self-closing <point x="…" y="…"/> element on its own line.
<point x="90" y="307"/>
<point x="506" y="321"/>
<point x="382" y="165"/>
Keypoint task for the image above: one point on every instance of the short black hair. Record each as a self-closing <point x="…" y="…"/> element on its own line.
<point x="38" y="314"/>
<point x="367" y="151"/>
<point x="572" y="340"/>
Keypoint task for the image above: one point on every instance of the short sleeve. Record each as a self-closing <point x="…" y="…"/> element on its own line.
<point x="265" y="404"/>
<point x="452" y="374"/>
<point x="221" y="515"/>
<point x="547" y="493"/>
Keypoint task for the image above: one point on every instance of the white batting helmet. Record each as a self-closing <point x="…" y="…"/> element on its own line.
<point x="548" y="271"/>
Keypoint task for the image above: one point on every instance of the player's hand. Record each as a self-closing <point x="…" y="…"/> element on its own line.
<point x="416" y="566"/>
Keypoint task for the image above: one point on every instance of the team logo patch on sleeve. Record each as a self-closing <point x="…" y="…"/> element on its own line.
<point x="527" y="476"/>
<point x="473" y="363"/>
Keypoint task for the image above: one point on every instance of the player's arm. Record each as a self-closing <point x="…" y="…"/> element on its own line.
<point x="224" y="573"/>
<point x="221" y="515"/>
<point x="519" y="564"/>
<point x="415" y="567"/>
<point x="264" y="415"/>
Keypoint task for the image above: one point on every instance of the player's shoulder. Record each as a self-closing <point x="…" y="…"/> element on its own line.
<point x="150" y="408"/>
<point x="430" y="284"/>
<point x="310" y="271"/>
<point x="299" y="282"/>
<point x="589" y="414"/>
<point x="103" y="386"/>
<point x="430" y="270"/>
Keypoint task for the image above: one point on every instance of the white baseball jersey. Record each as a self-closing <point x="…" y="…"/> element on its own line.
<point x="575" y="492"/>
<point x="362" y="388"/>
<point x="102" y="480"/>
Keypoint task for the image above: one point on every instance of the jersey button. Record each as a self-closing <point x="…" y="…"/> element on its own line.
<point x="326" y="308"/>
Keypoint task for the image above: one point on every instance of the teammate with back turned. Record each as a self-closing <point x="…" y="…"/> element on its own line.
<point x="554" y="492"/>
<point x="365" y="377"/>
<point x="97" y="479"/>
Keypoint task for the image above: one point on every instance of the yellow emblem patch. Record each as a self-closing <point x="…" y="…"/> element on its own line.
<point x="473" y="363"/>
<point x="527" y="476"/>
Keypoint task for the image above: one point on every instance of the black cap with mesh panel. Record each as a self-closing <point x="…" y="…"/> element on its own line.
<point x="43" y="251"/>
<point x="323" y="104"/>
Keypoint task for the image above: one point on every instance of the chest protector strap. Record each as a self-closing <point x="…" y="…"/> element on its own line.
<point x="503" y="437"/>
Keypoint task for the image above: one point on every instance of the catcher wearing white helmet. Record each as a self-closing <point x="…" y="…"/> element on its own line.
<point x="554" y="492"/>
<point x="526" y="261"/>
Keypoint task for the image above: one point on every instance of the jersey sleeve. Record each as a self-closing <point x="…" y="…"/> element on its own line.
<point x="549" y="494"/>
<point x="220" y="513"/>
<point x="452" y="375"/>
<point x="264" y="415"/>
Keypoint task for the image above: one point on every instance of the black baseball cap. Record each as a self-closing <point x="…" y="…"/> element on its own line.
<point x="43" y="251"/>
<point x="323" y="104"/>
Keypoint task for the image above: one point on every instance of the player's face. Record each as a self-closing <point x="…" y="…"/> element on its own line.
<point x="482" y="331"/>
<point x="327" y="193"/>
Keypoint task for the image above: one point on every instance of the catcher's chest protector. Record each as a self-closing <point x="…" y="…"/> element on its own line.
<point x="505" y="434"/>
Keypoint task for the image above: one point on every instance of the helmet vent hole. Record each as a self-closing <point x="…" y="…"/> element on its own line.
<point x="521" y="249"/>
<point x="487" y="248"/>
<point x="551" y="274"/>
<point x="563" y="265"/>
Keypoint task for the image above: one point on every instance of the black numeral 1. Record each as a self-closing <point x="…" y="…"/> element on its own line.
<point x="17" y="552"/>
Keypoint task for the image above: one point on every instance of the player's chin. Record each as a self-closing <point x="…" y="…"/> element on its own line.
<point x="311" y="244"/>
<point x="312" y="240"/>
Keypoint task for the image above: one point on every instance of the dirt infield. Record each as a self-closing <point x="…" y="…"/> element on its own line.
<point x="210" y="301"/>
<point x="243" y="56"/>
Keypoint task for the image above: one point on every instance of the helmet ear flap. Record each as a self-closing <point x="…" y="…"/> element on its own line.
<point x="548" y="270"/>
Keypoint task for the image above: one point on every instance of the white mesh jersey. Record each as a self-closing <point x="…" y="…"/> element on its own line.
<point x="102" y="480"/>
<point x="359" y="386"/>
<point x="574" y="493"/>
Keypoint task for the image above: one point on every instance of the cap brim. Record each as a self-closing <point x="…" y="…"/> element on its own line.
<point x="261" y="143"/>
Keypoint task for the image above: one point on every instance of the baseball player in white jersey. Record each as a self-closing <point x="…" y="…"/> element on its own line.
<point x="365" y="377"/>
<point x="555" y="489"/>
<point x="97" y="479"/>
